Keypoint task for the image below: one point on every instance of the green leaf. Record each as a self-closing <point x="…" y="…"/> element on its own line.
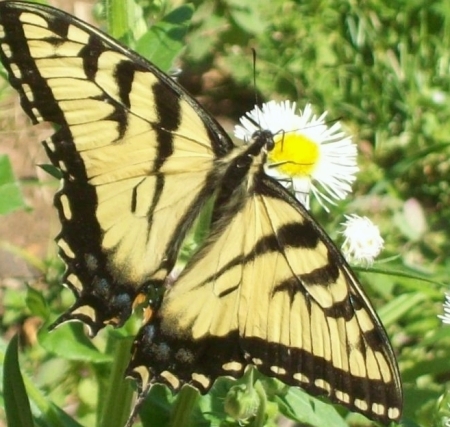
<point x="155" y="411"/>
<point x="11" y="198"/>
<point x="203" y="41"/>
<point x="36" y="303"/>
<point x="164" y="41"/>
<point x="125" y="20"/>
<point x="59" y="416"/>
<point x="51" y="170"/>
<point x="70" y="342"/>
<point x="247" y="16"/>
<point x="14" y="306"/>
<point x="298" y="405"/>
<point x="17" y="405"/>
<point x="436" y="366"/>
<point x="117" y="18"/>
<point x="49" y="414"/>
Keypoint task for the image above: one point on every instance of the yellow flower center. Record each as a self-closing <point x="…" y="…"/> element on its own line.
<point x="294" y="154"/>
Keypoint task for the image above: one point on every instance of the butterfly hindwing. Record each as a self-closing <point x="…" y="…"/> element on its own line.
<point x="273" y="292"/>
<point x="132" y="147"/>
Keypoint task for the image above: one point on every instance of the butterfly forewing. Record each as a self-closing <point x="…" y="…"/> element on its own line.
<point x="133" y="150"/>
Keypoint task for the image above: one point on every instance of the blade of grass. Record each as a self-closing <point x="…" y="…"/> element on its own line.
<point x="17" y="405"/>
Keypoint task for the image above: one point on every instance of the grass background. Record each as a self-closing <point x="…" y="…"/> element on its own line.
<point x="382" y="68"/>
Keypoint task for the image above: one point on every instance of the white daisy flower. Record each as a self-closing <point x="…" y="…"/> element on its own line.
<point x="363" y="242"/>
<point x="309" y="156"/>
<point x="446" y="316"/>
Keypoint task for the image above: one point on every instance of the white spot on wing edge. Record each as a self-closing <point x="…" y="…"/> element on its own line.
<point x="49" y="144"/>
<point x="361" y="404"/>
<point x="37" y="114"/>
<point x="74" y="282"/>
<point x="301" y="377"/>
<point x="342" y="396"/>
<point x="66" y="248"/>
<point x="62" y="166"/>
<point x="143" y="374"/>
<point x="378" y="408"/>
<point x="201" y="379"/>
<point x="28" y="92"/>
<point x="67" y="212"/>
<point x="278" y="370"/>
<point x="394" y="413"/>
<point x="232" y="366"/>
<point x="16" y="71"/>
<point x="5" y="47"/>
<point x="324" y="385"/>
<point x="171" y="379"/>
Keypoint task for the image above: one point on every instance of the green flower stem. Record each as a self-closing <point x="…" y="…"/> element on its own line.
<point x="260" y="416"/>
<point x="118" y="13"/>
<point x="183" y="407"/>
<point x="118" y="395"/>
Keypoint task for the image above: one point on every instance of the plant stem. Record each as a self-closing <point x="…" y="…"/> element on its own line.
<point x="183" y="408"/>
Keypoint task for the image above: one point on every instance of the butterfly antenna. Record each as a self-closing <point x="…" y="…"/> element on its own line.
<point x="254" y="86"/>
<point x="254" y="76"/>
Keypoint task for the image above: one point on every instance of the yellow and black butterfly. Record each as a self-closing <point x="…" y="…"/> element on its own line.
<point x="139" y="158"/>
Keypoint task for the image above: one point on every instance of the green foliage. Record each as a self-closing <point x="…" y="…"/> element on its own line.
<point x="10" y="195"/>
<point x="164" y="40"/>
<point x="161" y="42"/>
<point x="380" y="66"/>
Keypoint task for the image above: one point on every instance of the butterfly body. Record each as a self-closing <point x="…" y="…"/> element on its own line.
<point x="139" y="159"/>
